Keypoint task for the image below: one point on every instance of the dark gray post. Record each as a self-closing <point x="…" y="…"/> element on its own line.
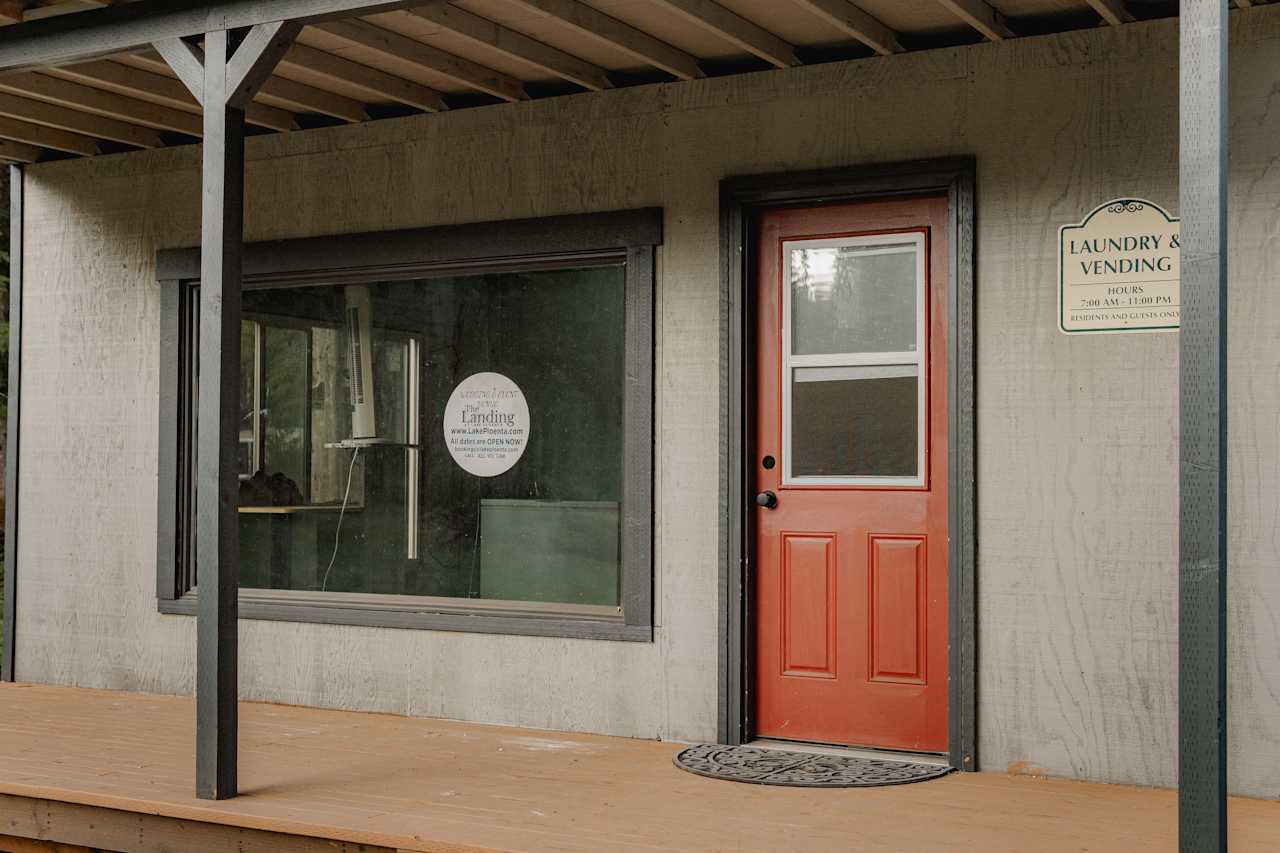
<point x="217" y="483"/>
<point x="224" y="82"/>
<point x="1202" y="564"/>
<point x="8" y="659"/>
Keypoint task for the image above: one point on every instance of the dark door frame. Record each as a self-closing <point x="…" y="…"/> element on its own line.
<point x="741" y="201"/>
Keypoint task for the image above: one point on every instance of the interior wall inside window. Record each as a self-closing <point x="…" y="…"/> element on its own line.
<point x="354" y="489"/>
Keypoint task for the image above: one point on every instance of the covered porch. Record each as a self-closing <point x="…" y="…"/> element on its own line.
<point x="83" y="767"/>
<point x="86" y="766"/>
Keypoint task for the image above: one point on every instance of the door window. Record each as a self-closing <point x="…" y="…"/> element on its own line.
<point x="855" y="361"/>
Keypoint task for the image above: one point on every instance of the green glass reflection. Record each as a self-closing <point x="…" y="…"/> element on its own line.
<point x="391" y="516"/>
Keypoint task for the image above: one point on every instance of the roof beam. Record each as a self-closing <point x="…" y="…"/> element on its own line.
<point x="979" y="15"/>
<point x="98" y="127"/>
<point x="159" y="89"/>
<point x="65" y="7"/>
<point x="1112" y="11"/>
<point x="735" y="29"/>
<point x="19" y="152"/>
<point x="47" y="137"/>
<point x="88" y="99"/>
<point x="102" y="32"/>
<point x="291" y="95"/>
<point x="516" y="45"/>
<point x="851" y="20"/>
<point x="282" y="93"/>
<point x="375" y="82"/>
<point x="460" y="70"/>
<point x="595" y="24"/>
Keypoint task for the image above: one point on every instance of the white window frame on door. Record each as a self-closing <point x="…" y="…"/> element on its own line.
<point x="851" y="365"/>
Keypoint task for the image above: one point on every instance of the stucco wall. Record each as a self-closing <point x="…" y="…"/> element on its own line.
<point x="1077" y="436"/>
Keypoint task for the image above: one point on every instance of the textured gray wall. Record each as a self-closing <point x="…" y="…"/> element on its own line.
<point x="1077" y="436"/>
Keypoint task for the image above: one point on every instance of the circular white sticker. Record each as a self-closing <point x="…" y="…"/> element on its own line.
<point x="486" y="424"/>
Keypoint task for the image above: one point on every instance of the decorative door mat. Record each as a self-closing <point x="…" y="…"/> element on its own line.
<point x="800" y="769"/>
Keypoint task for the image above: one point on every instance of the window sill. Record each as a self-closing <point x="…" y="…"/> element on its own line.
<point x="271" y="608"/>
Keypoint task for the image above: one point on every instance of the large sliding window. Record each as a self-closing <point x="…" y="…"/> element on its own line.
<point x="460" y="443"/>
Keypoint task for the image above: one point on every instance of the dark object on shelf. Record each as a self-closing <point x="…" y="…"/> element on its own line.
<point x="274" y="490"/>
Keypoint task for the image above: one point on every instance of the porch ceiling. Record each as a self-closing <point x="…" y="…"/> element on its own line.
<point x="440" y="55"/>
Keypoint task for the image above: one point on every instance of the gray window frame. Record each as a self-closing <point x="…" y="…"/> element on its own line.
<point x="631" y="236"/>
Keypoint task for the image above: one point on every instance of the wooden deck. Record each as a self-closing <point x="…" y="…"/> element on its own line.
<point x="426" y="785"/>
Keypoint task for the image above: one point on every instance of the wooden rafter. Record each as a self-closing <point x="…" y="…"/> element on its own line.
<point x="735" y="29"/>
<point x="47" y="137"/>
<point x="105" y="32"/>
<point x="20" y="11"/>
<point x="282" y="93"/>
<point x="375" y="82"/>
<point x="852" y="21"/>
<point x="19" y="152"/>
<point x="1112" y="11"/>
<point x="981" y="16"/>
<point x="66" y="7"/>
<point x="98" y="102"/>
<point x="299" y="97"/>
<point x="144" y="85"/>
<point x="592" y="23"/>
<point x="63" y="118"/>
<point x="132" y="97"/>
<point x="516" y="45"/>
<point x="10" y="11"/>
<point x="414" y="52"/>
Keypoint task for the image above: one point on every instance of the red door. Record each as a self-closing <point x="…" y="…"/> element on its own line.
<point x="851" y="471"/>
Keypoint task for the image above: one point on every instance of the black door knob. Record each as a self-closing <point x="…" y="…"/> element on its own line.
<point x="767" y="499"/>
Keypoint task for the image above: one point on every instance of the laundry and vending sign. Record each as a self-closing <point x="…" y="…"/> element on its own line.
<point x="1119" y="270"/>
<point x="486" y="424"/>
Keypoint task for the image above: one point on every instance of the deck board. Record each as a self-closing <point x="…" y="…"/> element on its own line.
<point x="430" y="785"/>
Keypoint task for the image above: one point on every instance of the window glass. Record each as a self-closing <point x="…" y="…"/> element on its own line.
<point x="248" y="399"/>
<point x="853" y="299"/>
<point x="284" y="390"/>
<point x="855" y="421"/>
<point x="448" y="436"/>
<point x="854" y="360"/>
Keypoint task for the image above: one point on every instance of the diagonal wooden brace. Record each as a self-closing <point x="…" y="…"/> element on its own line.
<point x="256" y="58"/>
<point x="187" y="61"/>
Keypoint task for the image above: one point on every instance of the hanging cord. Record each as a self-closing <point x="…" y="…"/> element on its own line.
<point x="355" y="454"/>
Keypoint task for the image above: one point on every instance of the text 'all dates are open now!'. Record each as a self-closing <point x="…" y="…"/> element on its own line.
<point x="486" y="424"/>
